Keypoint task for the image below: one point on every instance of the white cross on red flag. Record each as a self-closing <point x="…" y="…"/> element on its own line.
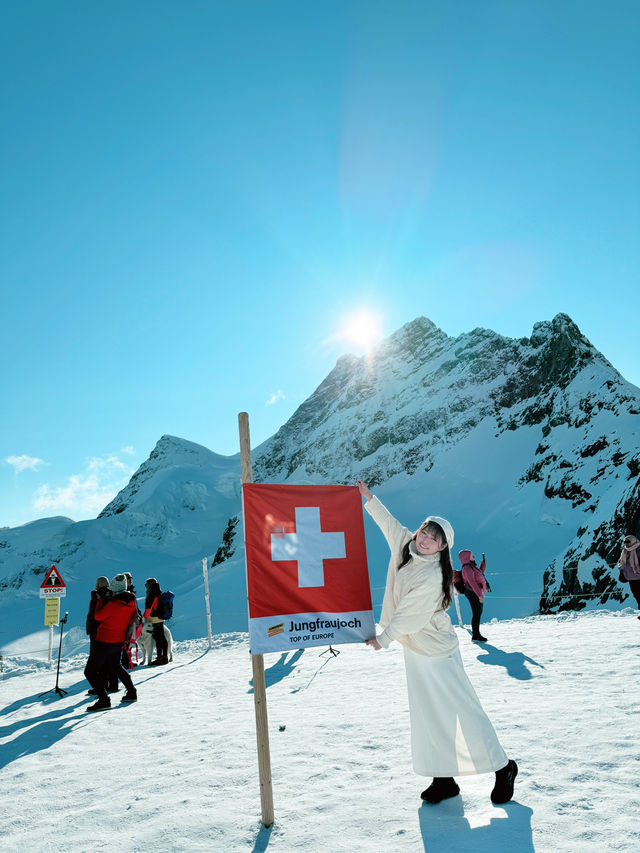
<point x="307" y="576"/>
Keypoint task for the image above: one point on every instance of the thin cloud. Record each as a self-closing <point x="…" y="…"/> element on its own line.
<point x="86" y="493"/>
<point x="25" y="463"/>
<point x="277" y="395"/>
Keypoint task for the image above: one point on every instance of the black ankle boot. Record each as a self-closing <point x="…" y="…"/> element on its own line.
<point x="505" y="779"/>
<point x="442" y="788"/>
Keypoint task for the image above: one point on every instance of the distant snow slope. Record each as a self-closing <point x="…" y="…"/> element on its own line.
<point x="530" y="447"/>
<point x="171" y="515"/>
<point x="177" y="771"/>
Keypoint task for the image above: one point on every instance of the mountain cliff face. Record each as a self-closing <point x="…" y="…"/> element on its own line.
<point x="423" y="396"/>
<point x="530" y="447"/>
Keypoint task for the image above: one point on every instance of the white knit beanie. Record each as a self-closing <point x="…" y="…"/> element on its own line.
<point x="118" y="584"/>
<point x="447" y="529"/>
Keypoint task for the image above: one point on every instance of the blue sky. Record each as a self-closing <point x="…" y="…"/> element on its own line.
<point x="196" y="195"/>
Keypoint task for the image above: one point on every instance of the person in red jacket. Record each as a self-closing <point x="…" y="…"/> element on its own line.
<point x="471" y="582"/>
<point x="113" y="616"/>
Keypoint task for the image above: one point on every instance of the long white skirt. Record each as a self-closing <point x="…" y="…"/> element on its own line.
<point x="450" y="733"/>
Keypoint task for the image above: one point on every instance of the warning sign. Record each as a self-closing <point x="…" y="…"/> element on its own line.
<point x="51" y="611"/>
<point x="53" y="586"/>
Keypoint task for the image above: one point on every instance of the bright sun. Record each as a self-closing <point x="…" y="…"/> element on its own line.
<point x="361" y="330"/>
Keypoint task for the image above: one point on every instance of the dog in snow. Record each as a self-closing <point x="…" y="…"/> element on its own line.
<point x="146" y="644"/>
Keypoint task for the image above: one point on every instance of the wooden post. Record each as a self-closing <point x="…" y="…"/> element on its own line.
<point x="50" y="642"/>
<point x="257" y="661"/>
<point x="205" y="572"/>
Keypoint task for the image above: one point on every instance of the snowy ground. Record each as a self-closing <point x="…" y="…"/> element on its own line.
<point x="177" y="771"/>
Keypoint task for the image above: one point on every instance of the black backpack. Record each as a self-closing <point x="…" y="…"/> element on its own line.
<point x="164" y="609"/>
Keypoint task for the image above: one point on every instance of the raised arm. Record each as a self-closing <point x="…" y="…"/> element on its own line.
<point x="365" y="491"/>
<point x="395" y="533"/>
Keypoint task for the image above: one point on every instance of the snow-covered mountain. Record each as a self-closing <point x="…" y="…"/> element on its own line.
<point x="531" y="448"/>
<point x="176" y="510"/>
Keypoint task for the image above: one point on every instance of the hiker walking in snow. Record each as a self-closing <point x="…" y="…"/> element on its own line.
<point x="472" y="583"/>
<point x="153" y="614"/>
<point x="113" y="616"/>
<point x="629" y="565"/>
<point x="450" y="733"/>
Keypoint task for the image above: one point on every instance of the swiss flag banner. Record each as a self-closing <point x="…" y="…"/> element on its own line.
<point x="307" y="576"/>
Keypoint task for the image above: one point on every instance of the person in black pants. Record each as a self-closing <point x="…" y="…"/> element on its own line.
<point x="151" y="603"/>
<point x="629" y="565"/>
<point x="113" y="616"/>
<point x="101" y="591"/>
<point x="472" y="583"/>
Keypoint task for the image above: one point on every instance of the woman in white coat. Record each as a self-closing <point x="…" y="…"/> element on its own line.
<point x="450" y="733"/>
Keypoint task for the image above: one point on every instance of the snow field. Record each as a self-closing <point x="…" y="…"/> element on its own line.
<point x="177" y="771"/>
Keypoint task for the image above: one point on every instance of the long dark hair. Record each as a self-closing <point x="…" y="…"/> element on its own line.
<point x="445" y="559"/>
<point x="153" y="591"/>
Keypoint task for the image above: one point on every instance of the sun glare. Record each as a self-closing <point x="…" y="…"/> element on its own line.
<point x="361" y="330"/>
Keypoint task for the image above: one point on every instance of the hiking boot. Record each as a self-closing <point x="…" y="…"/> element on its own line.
<point x="100" y="705"/>
<point x="159" y="661"/>
<point x="115" y="689"/>
<point x="92" y="692"/>
<point x="478" y="638"/>
<point x="442" y="788"/>
<point x="130" y="697"/>
<point x="505" y="779"/>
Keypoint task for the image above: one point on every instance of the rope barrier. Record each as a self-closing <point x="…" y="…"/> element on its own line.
<point x="22" y="654"/>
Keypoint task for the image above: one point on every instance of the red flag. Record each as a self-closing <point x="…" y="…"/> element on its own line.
<point x="306" y="559"/>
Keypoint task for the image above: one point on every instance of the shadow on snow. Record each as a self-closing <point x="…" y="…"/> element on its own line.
<point x="444" y="828"/>
<point x="37" y="733"/>
<point x="280" y="669"/>
<point x="513" y="662"/>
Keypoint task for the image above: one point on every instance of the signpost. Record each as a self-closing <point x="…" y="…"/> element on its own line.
<point x="51" y="612"/>
<point x="52" y="587"/>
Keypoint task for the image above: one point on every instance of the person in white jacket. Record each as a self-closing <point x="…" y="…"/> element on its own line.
<point x="450" y="733"/>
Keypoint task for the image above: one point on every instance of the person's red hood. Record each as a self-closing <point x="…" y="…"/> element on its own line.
<point x="466" y="557"/>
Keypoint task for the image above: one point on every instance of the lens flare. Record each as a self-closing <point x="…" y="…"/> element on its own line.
<point x="361" y="330"/>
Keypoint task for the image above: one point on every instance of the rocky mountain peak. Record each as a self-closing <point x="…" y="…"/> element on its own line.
<point x="417" y="340"/>
<point x="169" y="453"/>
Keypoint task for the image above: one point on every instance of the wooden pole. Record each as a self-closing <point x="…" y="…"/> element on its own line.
<point x="205" y="572"/>
<point x="257" y="661"/>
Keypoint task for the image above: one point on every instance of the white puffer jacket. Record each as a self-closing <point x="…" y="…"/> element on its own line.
<point x="412" y="610"/>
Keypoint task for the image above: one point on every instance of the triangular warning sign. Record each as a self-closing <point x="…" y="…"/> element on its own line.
<point x="52" y="578"/>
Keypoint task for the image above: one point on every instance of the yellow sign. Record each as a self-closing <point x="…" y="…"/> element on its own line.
<point x="51" y="611"/>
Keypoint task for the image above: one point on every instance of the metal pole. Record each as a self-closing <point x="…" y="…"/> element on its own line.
<point x="205" y="572"/>
<point x="57" y="688"/>
<point x="257" y="661"/>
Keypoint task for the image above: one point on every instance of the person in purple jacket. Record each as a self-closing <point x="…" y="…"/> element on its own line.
<point x="629" y="565"/>
<point x="472" y="583"/>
